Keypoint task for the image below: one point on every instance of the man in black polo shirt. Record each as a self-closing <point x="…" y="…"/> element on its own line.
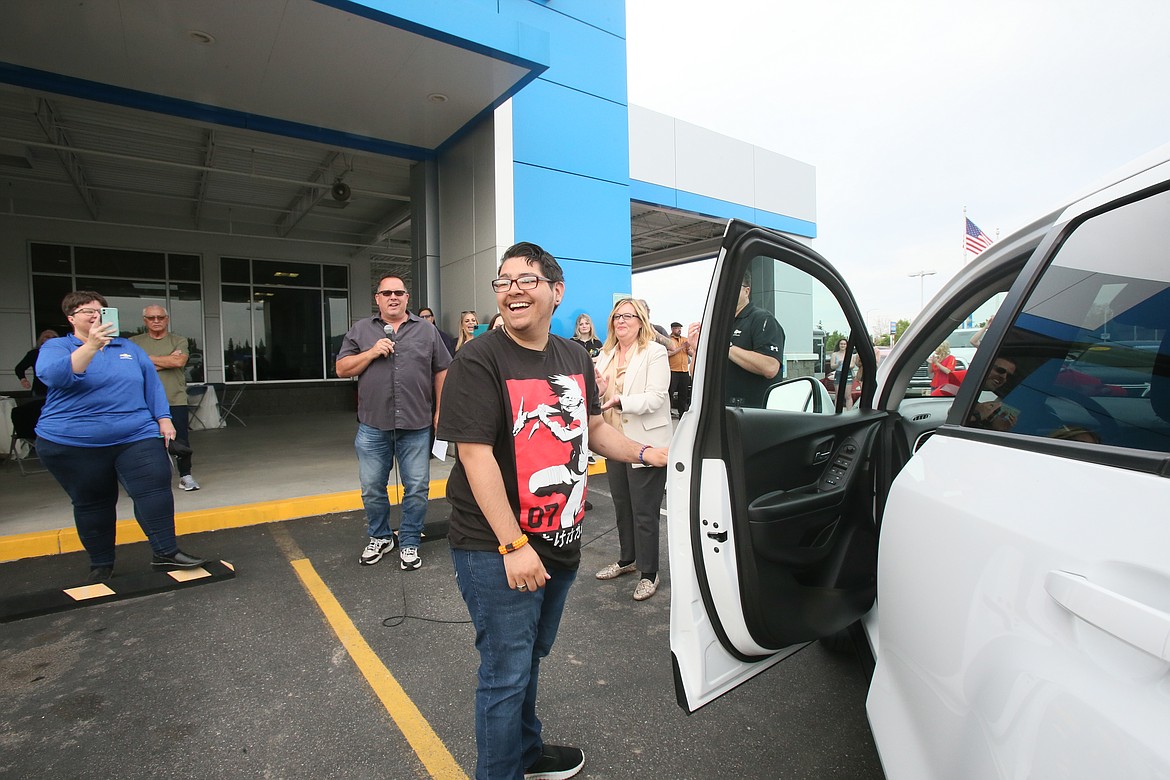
<point x="756" y="354"/>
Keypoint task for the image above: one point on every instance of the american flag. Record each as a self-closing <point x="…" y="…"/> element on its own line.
<point x="977" y="240"/>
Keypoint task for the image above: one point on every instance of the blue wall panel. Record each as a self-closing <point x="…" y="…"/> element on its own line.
<point x="583" y="57"/>
<point x="560" y="128"/>
<point x="572" y="216"/>
<point x="589" y="288"/>
<point x="654" y="194"/>
<point x="605" y="14"/>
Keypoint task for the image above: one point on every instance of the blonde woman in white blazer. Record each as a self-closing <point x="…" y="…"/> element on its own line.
<point x="633" y="379"/>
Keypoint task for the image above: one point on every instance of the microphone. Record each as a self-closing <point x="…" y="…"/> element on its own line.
<point x="389" y="329"/>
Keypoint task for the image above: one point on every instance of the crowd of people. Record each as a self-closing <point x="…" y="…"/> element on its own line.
<point x="115" y="411"/>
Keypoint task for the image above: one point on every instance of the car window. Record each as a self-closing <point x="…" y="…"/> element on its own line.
<point x="1088" y="357"/>
<point x="778" y="357"/>
<point x="945" y="369"/>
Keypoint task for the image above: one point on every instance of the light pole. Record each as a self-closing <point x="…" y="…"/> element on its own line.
<point x="920" y="275"/>
<point x="873" y="324"/>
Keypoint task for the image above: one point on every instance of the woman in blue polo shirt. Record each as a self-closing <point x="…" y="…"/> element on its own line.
<point x="106" y="420"/>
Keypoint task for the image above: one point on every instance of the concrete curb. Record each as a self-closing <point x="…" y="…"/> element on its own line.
<point x="65" y="540"/>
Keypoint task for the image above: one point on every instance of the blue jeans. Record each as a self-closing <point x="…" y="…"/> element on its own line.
<point x="513" y="631"/>
<point x="90" y="475"/>
<point x="376" y="451"/>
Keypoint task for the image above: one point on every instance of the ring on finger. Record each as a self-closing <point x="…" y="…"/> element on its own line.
<point x="522" y="586"/>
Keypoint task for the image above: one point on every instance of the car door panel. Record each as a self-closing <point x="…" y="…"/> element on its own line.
<point x="771" y="526"/>
<point x="987" y="684"/>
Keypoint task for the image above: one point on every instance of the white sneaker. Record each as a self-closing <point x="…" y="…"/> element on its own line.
<point x="408" y="558"/>
<point x="376" y="549"/>
<point x="188" y="483"/>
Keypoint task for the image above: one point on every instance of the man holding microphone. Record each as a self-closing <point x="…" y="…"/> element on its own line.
<point x="400" y="363"/>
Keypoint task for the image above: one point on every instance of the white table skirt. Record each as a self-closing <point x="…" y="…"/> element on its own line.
<point x="206" y="416"/>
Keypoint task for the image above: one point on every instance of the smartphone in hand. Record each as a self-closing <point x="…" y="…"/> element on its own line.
<point x="111" y="315"/>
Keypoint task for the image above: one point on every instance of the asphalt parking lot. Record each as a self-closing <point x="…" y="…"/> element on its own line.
<point x="247" y="678"/>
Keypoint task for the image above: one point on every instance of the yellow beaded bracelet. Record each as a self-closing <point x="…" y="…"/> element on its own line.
<point x="514" y="546"/>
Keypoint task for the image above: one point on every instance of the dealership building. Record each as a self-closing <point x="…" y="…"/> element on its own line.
<point x="255" y="166"/>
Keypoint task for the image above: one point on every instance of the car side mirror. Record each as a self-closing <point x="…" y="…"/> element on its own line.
<point x="802" y="394"/>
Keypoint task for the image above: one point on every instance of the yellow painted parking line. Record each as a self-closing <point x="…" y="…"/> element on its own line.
<point x="418" y="732"/>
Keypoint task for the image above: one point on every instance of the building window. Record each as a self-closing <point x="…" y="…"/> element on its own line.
<point x="282" y="321"/>
<point x="130" y="280"/>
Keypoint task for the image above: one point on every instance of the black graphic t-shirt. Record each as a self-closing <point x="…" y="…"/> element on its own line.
<point x="533" y="407"/>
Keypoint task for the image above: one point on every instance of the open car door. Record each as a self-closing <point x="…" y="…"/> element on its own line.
<point x="770" y="504"/>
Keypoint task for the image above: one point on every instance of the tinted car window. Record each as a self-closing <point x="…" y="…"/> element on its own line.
<point x="1088" y="357"/>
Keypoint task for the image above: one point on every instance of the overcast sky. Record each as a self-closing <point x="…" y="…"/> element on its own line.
<point x="910" y="110"/>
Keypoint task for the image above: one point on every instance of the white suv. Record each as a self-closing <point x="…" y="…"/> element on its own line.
<point x="1003" y="554"/>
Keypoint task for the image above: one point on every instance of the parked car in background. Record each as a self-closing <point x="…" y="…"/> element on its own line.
<point x="1000" y="554"/>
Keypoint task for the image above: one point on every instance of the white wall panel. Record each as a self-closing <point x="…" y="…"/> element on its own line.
<point x="714" y="165"/>
<point x="785" y="186"/>
<point x="652" y="150"/>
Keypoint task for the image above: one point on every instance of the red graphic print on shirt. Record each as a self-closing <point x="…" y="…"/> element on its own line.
<point x="551" y="438"/>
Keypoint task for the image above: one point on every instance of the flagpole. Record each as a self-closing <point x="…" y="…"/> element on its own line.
<point x="964" y="235"/>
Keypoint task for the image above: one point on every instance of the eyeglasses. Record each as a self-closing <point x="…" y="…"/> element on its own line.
<point x="90" y="312"/>
<point x="154" y="317"/>
<point x="427" y="316"/>
<point x="502" y="285"/>
<point x="388" y="293"/>
<point x="624" y="317"/>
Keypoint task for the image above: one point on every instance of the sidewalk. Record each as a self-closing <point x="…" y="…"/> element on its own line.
<point x="276" y="468"/>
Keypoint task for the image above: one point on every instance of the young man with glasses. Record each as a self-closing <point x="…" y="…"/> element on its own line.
<point x="400" y="363"/>
<point x="516" y="494"/>
<point x="169" y="353"/>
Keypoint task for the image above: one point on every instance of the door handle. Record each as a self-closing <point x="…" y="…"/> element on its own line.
<point x="1133" y="622"/>
<point x="821" y="457"/>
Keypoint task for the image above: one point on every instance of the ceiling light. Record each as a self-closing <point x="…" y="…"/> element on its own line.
<point x="437" y="97"/>
<point x="201" y="37"/>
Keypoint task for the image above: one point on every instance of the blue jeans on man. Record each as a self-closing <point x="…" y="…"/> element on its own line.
<point x="513" y="631"/>
<point x="376" y="453"/>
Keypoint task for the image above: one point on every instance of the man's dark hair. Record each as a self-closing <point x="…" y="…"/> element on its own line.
<point x="386" y="276"/>
<point x="426" y="308"/>
<point x="549" y="267"/>
<point x="747" y="279"/>
<point x="76" y="298"/>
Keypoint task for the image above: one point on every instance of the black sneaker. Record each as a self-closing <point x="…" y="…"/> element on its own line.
<point x="101" y="574"/>
<point x="176" y="560"/>
<point x="557" y="763"/>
